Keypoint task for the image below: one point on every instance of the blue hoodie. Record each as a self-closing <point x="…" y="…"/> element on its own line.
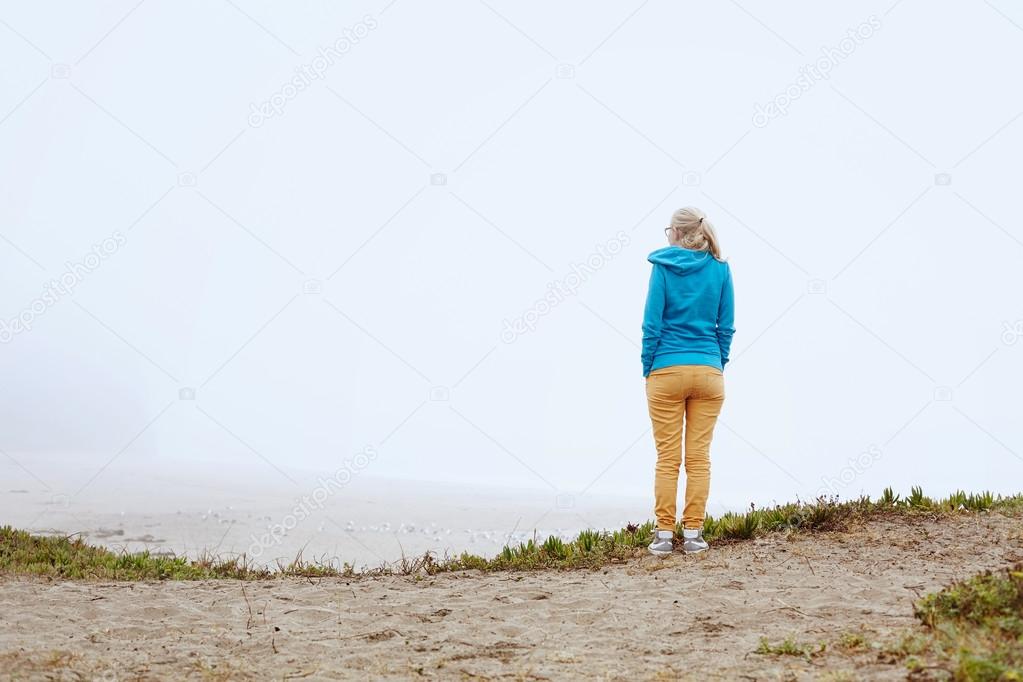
<point x="689" y="314"/>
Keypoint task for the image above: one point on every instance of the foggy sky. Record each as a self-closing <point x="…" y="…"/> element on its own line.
<point x="284" y="287"/>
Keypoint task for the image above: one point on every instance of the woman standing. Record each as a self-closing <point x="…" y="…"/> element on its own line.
<point x="687" y="332"/>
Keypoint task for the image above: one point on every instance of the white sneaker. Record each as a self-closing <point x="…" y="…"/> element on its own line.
<point x="662" y="545"/>
<point x="693" y="542"/>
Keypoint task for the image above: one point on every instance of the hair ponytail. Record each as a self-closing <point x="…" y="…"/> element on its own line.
<point x="693" y="231"/>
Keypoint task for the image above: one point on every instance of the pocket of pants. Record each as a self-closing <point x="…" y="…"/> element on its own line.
<point x="659" y="386"/>
<point x="713" y="385"/>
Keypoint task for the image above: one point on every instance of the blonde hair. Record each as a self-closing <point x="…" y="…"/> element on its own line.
<point x="692" y="230"/>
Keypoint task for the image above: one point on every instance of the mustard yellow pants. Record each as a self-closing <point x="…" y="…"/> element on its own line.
<point x="689" y="394"/>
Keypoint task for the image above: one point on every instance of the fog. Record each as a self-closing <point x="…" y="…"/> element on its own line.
<point x="248" y="241"/>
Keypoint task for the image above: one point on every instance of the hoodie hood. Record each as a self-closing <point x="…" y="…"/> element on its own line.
<point x="680" y="261"/>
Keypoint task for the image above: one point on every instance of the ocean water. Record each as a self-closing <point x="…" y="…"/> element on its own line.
<point x="185" y="509"/>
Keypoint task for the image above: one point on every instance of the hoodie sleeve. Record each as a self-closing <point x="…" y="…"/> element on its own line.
<point x="726" y="317"/>
<point x="653" y="318"/>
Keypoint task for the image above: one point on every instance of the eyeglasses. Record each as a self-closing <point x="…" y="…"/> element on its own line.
<point x="667" y="231"/>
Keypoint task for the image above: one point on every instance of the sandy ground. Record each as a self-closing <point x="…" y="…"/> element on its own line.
<point x="698" y="617"/>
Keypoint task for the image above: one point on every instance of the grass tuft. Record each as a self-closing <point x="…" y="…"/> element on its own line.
<point x="788" y="647"/>
<point x="853" y="641"/>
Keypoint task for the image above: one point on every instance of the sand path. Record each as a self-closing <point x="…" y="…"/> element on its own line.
<point x="697" y="617"/>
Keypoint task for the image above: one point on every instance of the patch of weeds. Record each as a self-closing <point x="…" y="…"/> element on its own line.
<point x="909" y="644"/>
<point x="917" y="499"/>
<point x="852" y="641"/>
<point x="788" y="647"/>
<point x="889" y="498"/>
<point x="978" y="624"/>
<point x="555" y="548"/>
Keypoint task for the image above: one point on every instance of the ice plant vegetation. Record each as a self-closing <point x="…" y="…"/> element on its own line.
<point x="72" y="558"/>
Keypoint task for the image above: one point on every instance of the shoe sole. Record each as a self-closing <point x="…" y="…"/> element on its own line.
<point x="659" y="552"/>
<point x="695" y="551"/>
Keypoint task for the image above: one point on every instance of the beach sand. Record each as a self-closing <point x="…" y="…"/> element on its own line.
<point x="681" y="617"/>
